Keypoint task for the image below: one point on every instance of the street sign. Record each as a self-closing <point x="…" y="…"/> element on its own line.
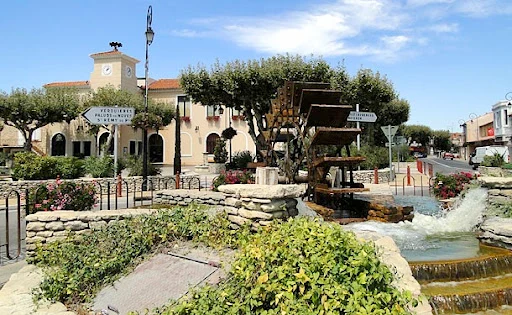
<point x="392" y="144"/>
<point x="109" y="115"/>
<point x="362" y="116"/>
<point x="389" y="131"/>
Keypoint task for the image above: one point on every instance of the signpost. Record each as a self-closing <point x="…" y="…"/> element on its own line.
<point x="362" y="116"/>
<point x="110" y="116"/>
<point x="390" y="132"/>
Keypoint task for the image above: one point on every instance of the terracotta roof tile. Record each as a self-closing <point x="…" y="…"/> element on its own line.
<point x="111" y="52"/>
<point x="164" y="84"/>
<point x="67" y="84"/>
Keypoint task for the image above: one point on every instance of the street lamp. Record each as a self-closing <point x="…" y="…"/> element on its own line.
<point x="149" y="39"/>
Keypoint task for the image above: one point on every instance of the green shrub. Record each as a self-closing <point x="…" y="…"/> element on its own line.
<point x="102" y="166"/>
<point x="507" y="166"/>
<point x="61" y="195"/>
<point x="135" y="165"/>
<point x="75" y="269"/>
<point x="240" y="159"/>
<point x="301" y="267"/>
<point x="30" y="166"/>
<point x="220" y="154"/>
<point x="495" y="160"/>
<point x="375" y="157"/>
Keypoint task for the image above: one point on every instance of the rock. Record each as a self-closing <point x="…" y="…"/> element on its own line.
<point x="35" y="226"/>
<point x="263" y="191"/>
<point x="75" y="225"/>
<point x="55" y="226"/>
<point x="251" y="205"/>
<point x="248" y="214"/>
<point x="275" y="205"/>
<point x="231" y="210"/>
<point x="238" y="220"/>
<point x="233" y="202"/>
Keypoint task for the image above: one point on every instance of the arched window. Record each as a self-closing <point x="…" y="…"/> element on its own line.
<point x="211" y="140"/>
<point x="58" y="145"/>
<point x="156" y="148"/>
<point x="103" y="139"/>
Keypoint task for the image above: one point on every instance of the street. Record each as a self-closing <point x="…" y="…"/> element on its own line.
<point x="448" y="166"/>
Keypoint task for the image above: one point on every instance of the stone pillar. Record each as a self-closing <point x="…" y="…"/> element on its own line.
<point x="267" y="175"/>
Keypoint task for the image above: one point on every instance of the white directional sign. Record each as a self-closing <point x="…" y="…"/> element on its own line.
<point x="109" y="115"/>
<point x="389" y="131"/>
<point x="362" y="116"/>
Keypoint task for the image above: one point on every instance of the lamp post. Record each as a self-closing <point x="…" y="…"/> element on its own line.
<point x="149" y="39"/>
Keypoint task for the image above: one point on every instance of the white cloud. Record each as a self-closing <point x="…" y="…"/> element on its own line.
<point x="382" y="29"/>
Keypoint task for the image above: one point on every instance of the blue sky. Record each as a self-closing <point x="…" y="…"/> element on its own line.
<point x="448" y="58"/>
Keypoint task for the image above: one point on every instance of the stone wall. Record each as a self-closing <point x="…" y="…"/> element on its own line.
<point x="258" y="205"/>
<point x="496" y="229"/>
<point x="48" y="226"/>
<point x="185" y="197"/>
<point x="133" y="183"/>
<point x="369" y="176"/>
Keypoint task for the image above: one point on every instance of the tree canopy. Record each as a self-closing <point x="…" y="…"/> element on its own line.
<point x="251" y="85"/>
<point x="28" y="111"/>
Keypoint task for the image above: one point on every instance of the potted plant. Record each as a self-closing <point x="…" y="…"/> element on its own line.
<point x="220" y="157"/>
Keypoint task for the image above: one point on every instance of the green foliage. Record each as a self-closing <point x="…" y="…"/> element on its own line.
<point x="233" y="177"/>
<point x="30" y="166"/>
<point x="61" y="195"/>
<point x="228" y="133"/>
<point x="302" y="266"/>
<point x="419" y="133"/>
<point x="102" y="166"/>
<point x="220" y="154"/>
<point x="495" y="160"/>
<point x="442" y="140"/>
<point x="135" y="166"/>
<point x="375" y="157"/>
<point x="30" y="110"/>
<point x="451" y="185"/>
<point x="507" y="166"/>
<point x="240" y="159"/>
<point x="76" y="268"/>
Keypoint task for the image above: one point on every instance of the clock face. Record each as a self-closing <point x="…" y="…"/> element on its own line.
<point x="106" y="69"/>
<point x="128" y="71"/>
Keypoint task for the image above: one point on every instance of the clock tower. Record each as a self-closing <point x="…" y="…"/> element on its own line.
<point x="114" y="68"/>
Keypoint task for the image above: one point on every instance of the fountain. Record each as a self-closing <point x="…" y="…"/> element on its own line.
<point x="457" y="273"/>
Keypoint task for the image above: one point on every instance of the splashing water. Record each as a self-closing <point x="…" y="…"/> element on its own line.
<point x="439" y="235"/>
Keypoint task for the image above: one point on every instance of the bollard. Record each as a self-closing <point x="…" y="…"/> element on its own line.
<point x="419" y="166"/>
<point x="375" y="175"/>
<point x="408" y="176"/>
<point x="119" y="186"/>
<point x="430" y="170"/>
<point x="177" y="180"/>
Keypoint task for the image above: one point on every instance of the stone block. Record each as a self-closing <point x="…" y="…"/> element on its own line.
<point x="231" y="210"/>
<point x="35" y="239"/>
<point x="31" y="234"/>
<point x="61" y="233"/>
<point x="76" y="225"/>
<point x="251" y="205"/>
<point x="55" y="226"/>
<point x="264" y="222"/>
<point x="97" y="225"/>
<point x="279" y="214"/>
<point x="407" y="209"/>
<point x="263" y="191"/>
<point x="248" y="214"/>
<point x="291" y="203"/>
<point x="36" y="226"/>
<point x="275" y="205"/>
<point x="293" y="212"/>
<point x="238" y="220"/>
<point x="48" y="218"/>
<point x="233" y="202"/>
<point x="45" y="233"/>
<point x="182" y="203"/>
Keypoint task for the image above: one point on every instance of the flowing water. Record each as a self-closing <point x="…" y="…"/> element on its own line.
<point x="457" y="273"/>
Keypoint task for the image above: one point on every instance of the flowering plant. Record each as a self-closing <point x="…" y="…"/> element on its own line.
<point x="233" y="177"/>
<point x="61" y="195"/>
<point x="449" y="186"/>
<point x="185" y="118"/>
<point x="215" y="118"/>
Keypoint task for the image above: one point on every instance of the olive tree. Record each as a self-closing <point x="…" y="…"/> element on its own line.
<point x="28" y="111"/>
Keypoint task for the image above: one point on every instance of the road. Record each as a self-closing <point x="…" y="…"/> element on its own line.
<point x="448" y="166"/>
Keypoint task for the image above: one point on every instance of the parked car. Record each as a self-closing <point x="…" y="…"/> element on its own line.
<point x="448" y="155"/>
<point x="478" y="155"/>
<point x="419" y="155"/>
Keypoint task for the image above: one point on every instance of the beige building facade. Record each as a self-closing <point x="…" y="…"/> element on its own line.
<point x="200" y="126"/>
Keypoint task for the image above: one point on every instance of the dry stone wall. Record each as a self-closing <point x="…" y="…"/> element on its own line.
<point x="258" y="205"/>
<point x="185" y="197"/>
<point x="48" y="226"/>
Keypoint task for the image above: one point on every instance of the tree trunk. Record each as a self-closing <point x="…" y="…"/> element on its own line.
<point x="27" y="134"/>
<point x="260" y="144"/>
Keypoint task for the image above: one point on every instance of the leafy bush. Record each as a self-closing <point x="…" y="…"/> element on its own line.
<point x="375" y="157"/>
<point x="507" y="166"/>
<point x="135" y="165"/>
<point x="102" y="166"/>
<point x="220" y="154"/>
<point x="240" y="159"/>
<point x="233" y="177"/>
<point x="30" y="166"/>
<point x="77" y="268"/>
<point x="495" y="160"/>
<point x="448" y="186"/>
<point x="63" y="196"/>
<point x="301" y="267"/>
